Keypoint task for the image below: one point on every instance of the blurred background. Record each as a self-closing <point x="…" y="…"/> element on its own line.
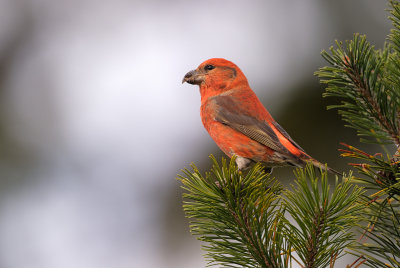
<point x="95" y="123"/>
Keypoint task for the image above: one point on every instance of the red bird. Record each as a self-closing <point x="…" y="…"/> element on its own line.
<point x="238" y="122"/>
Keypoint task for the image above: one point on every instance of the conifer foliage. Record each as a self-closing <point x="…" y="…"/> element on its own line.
<point x="322" y="218"/>
<point x="367" y="81"/>
<point x="243" y="217"/>
<point x="237" y="215"/>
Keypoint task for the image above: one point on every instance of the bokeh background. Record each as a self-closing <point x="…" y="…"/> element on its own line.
<point x="95" y="123"/>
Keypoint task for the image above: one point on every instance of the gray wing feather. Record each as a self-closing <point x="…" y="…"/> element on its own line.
<point x="248" y="125"/>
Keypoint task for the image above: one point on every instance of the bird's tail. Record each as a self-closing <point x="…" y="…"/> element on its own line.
<point x="323" y="167"/>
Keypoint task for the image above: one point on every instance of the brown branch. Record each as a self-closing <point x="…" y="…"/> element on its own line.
<point x="249" y="236"/>
<point x="363" y="90"/>
<point x="333" y="259"/>
<point x="312" y="247"/>
<point x="360" y="259"/>
<point x="301" y="265"/>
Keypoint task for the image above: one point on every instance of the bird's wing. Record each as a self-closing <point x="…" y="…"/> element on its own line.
<point x="286" y="135"/>
<point x="229" y="113"/>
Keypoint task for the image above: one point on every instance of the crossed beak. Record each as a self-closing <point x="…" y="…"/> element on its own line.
<point x="193" y="77"/>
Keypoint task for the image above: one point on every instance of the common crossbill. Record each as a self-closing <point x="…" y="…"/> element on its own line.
<point x="237" y="120"/>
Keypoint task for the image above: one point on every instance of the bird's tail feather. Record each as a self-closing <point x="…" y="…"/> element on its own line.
<point x="323" y="167"/>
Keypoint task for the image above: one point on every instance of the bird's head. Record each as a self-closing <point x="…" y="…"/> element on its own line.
<point x="216" y="75"/>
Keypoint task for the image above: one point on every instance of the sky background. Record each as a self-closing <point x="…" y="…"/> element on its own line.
<point x="95" y="123"/>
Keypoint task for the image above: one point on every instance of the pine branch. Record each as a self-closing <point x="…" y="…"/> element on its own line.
<point x="242" y="218"/>
<point x="323" y="218"/>
<point x="380" y="242"/>
<point x="237" y="215"/>
<point x="395" y="18"/>
<point x="381" y="175"/>
<point x="370" y="103"/>
<point x="368" y="83"/>
<point x="393" y="77"/>
<point x="382" y="237"/>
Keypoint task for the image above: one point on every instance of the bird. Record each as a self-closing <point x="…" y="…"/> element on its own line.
<point x="239" y="123"/>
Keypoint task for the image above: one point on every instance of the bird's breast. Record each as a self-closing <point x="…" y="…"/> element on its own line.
<point x="208" y="111"/>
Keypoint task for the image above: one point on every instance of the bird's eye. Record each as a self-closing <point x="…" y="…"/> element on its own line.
<point x="209" y="67"/>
